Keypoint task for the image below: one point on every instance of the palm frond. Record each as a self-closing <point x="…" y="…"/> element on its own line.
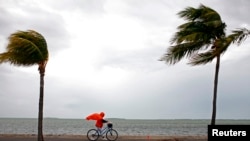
<point x="186" y="36"/>
<point x="213" y="23"/>
<point x="220" y="47"/>
<point x="202" y="58"/>
<point x="239" y="35"/>
<point x="4" y="57"/>
<point x="202" y="13"/>
<point x="208" y="14"/>
<point x="189" y="32"/>
<point x="25" y="48"/>
<point x="175" y="53"/>
<point x="202" y="29"/>
<point x="204" y="17"/>
<point x="189" y="13"/>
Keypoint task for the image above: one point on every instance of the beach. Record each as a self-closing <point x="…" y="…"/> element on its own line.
<point x="27" y="137"/>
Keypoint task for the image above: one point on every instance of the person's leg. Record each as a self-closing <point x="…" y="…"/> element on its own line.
<point x="99" y="130"/>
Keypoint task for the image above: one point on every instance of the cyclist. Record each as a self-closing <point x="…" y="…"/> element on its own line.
<point x="94" y="134"/>
<point x="99" y="123"/>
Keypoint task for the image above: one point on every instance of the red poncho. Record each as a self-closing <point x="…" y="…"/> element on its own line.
<point x="98" y="117"/>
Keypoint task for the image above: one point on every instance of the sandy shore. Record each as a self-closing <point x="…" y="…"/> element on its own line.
<point x="11" y="137"/>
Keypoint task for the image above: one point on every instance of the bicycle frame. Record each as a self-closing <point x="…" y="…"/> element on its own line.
<point x="104" y="130"/>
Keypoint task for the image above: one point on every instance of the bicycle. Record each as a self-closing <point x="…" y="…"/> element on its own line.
<point x="110" y="133"/>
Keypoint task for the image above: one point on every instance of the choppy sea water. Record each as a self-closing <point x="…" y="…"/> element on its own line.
<point x="54" y="126"/>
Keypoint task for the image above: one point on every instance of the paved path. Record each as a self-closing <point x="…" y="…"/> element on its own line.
<point x="56" y="139"/>
<point x="83" y="138"/>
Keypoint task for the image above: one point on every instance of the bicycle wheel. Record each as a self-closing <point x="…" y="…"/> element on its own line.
<point x="112" y="135"/>
<point x="92" y="135"/>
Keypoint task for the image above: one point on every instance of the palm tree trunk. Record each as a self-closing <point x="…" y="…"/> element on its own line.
<point x="217" y="68"/>
<point x="40" y="113"/>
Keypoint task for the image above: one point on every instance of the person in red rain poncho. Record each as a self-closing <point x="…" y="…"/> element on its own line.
<point x="99" y="122"/>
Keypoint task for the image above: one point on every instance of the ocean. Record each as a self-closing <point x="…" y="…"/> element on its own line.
<point x="164" y="127"/>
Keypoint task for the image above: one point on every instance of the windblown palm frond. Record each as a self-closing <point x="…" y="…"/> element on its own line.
<point x="176" y="53"/>
<point x="202" y="58"/>
<point x="25" y="48"/>
<point x="220" y="46"/>
<point x="190" y="32"/>
<point x="204" y="26"/>
<point x="202" y="14"/>
<point x="239" y="35"/>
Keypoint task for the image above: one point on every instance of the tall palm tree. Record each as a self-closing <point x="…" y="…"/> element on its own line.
<point x="201" y="39"/>
<point x="220" y="47"/>
<point x="27" y="48"/>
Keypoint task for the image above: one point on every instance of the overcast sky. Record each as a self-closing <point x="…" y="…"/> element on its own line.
<point x="104" y="57"/>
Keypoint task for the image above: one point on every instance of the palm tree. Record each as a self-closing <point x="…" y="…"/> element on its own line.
<point x="201" y="39"/>
<point x="27" y="48"/>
